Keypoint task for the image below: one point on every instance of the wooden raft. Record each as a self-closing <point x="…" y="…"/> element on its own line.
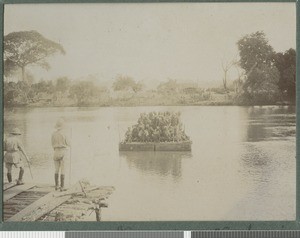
<point x="155" y="146"/>
<point x="22" y="200"/>
<point x="80" y="207"/>
<point x="43" y="203"/>
<point x="15" y="190"/>
<point x="9" y="185"/>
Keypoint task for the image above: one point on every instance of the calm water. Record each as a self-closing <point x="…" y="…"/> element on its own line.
<point x="242" y="164"/>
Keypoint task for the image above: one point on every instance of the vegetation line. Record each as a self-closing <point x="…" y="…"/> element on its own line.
<point x="264" y="77"/>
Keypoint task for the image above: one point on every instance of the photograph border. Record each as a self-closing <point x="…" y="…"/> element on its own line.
<point x="159" y="225"/>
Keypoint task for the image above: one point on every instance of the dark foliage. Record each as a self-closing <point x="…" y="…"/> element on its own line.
<point x="157" y="127"/>
<point x="27" y="47"/>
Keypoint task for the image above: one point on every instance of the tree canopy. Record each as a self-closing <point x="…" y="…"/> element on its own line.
<point x="257" y="58"/>
<point x="286" y="64"/>
<point x="62" y="84"/>
<point x="124" y="83"/>
<point x="261" y="85"/>
<point x="85" y="92"/>
<point x="27" y="47"/>
<point x="169" y="86"/>
<point x="255" y="51"/>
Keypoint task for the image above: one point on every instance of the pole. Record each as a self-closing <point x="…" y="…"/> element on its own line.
<point x="27" y="159"/>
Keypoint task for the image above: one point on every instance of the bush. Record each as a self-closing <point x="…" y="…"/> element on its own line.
<point x="157" y="127"/>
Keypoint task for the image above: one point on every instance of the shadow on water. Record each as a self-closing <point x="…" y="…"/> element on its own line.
<point x="257" y="132"/>
<point x="270" y="123"/>
<point x="162" y="163"/>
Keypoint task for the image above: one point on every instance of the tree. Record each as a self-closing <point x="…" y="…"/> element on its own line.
<point x="255" y="51"/>
<point x="9" y="93"/>
<point x="286" y="64"/>
<point x="137" y="87"/>
<point x="44" y="86"/>
<point x="62" y="84"/>
<point x="10" y="68"/>
<point x="84" y="92"/>
<point x="261" y="86"/>
<point x="25" y="48"/>
<point x="238" y="82"/>
<point x="171" y="86"/>
<point x="226" y="66"/>
<point x="257" y="58"/>
<point x="124" y="83"/>
<point x="19" y="93"/>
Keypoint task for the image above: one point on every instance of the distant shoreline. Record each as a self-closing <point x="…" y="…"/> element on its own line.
<point x="146" y="105"/>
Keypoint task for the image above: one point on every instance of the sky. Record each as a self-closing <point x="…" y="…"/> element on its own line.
<point x="150" y="42"/>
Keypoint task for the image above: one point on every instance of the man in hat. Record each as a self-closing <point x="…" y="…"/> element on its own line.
<point x="14" y="155"/>
<point x="60" y="144"/>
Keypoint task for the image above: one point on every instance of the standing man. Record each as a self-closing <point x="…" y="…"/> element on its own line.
<point x="15" y="154"/>
<point x="60" y="144"/>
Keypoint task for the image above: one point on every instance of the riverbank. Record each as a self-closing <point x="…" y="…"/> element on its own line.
<point x="145" y="104"/>
<point x="23" y="95"/>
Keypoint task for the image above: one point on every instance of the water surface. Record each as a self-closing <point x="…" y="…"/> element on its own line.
<point x="242" y="164"/>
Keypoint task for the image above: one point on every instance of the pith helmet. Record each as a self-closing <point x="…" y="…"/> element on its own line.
<point x="16" y="131"/>
<point x="60" y="123"/>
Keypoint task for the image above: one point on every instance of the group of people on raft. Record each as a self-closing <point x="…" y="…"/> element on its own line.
<point x="15" y="154"/>
<point x="157" y="127"/>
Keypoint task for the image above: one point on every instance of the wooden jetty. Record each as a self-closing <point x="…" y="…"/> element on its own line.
<point x="32" y="202"/>
<point x="159" y="146"/>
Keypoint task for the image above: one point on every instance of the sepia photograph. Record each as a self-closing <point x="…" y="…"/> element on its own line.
<point x="149" y="112"/>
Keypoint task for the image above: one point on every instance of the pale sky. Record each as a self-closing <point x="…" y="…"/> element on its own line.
<point x="151" y="41"/>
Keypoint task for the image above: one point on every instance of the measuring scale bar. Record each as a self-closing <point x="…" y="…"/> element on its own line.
<point x="151" y="234"/>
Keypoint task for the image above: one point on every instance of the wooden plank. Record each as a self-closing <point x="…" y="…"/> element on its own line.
<point x="9" y="185"/>
<point x="78" y="192"/>
<point x="42" y="206"/>
<point x="14" y="191"/>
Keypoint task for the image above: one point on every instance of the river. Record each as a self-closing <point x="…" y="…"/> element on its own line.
<point x="242" y="165"/>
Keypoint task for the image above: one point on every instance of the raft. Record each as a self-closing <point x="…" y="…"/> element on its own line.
<point x="160" y="146"/>
<point x="32" y="202"/>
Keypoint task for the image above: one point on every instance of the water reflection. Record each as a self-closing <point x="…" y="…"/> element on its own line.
<point x="161" y="163"/>
<point x="265" y="123"/>
<point x="257" y="132"/>
<point x="256" y="163"/>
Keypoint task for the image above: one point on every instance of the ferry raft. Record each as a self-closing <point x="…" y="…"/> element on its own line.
<point x="162" y="146"/>
<point x="34" y="202"/>
<point x="156" y="131"/>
